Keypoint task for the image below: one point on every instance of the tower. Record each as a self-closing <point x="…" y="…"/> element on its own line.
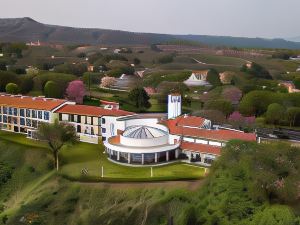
<point x="174" y="105"/>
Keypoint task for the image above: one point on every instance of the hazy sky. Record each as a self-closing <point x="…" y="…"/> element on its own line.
<point x="251" y="18"/>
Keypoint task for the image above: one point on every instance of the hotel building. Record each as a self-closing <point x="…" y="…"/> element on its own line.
<point x="128" y="138"/>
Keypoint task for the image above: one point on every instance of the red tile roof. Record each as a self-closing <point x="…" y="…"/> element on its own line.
<point x="201" y="148"/>
<point x="92" y="111"/>
<point x="190" y="121"/>
<point x="219" y="135"/>
<point x="38" y="103"/>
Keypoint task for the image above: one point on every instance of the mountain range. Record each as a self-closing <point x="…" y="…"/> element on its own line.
<point x="26" y="30"/>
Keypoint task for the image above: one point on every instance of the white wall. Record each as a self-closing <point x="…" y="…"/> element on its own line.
<point x="163" y="140"/>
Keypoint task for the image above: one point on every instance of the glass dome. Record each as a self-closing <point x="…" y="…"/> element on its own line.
<point x="143" y="132"/>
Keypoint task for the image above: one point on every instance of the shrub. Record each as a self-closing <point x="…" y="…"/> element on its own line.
<point x="12" y="88"/>
<point x="52" y="90"/>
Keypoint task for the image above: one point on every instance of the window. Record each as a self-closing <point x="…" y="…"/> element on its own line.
<point x="4" y="110"/>
<point x="71" y="118"/>
<point x="4" y="119"/>
<point x="78" y="129"/>
<point x="40" y="115"/>
<point x="103" y="130"/>
<point x="10" y="111"/>
<point x="46" y="115"/>
<point x="27" y="112"/>
<point x="92" y="131"/>
<point x="34" y="123"/>
<point x="103" y="121"/>
<point x="28" y="122"/>
<point x="0" y="119"/>
<point x="22" y="121"/>
<point x="34" y="114"/>
<point x="15" y="111"/>
<point x="22" y="112"/>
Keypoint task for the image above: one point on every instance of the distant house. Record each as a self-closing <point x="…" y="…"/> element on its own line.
<point x="34" y="43"/>
<point x="289" y="85"/>
<point x="117" y="51"/>
<point x="226" y="77"/>
<point x="198" y="78"/>
<point x="90" y="68"/>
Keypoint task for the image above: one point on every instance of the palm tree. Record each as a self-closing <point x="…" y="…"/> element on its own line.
<point x="57" y="135"/>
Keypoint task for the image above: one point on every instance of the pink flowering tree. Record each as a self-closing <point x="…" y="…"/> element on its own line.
<point x="107" y="81"/>
<point x="238" y="120"/>
<point x="232" y="94"/>
<point x="76" y="91"/>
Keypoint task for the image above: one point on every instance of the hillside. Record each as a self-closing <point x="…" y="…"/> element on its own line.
<point x="27" y="29"/>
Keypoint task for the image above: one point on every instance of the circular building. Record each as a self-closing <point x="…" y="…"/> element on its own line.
<point x="141" y="145"/>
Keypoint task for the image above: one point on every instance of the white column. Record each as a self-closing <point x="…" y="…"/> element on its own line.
<point x="128" y="157"/>
<point x="143" y="159"/>
<point x="202" y="157"/>
<point x="167" y="156"/>
<point x="156" y="157"/>
<point x="118" y="156"/>
<point x="176" y="153"/>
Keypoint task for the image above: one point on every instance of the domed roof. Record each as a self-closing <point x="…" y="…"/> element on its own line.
<point x="143" y="132"/>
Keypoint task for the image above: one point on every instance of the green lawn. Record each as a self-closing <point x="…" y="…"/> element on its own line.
<point x="82" y="155"/>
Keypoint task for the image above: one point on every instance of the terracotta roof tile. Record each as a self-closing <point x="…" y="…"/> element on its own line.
<point x="38" y="103"/>
<point x="191" y="121"/>
<point x="201" y="148"/>
<point x="92" y="111"/>
<point x="220" y="135"/>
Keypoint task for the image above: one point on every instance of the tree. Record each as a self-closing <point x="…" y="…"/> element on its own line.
<point x="140" y="98"/>
<point x="76" y="91"/>
<point x="12" y="88"/>
<point x="275" y="215"/>
<point x="297" y="82"/>
<point x="57" y="135"/>
<point x="107" y="81"/>
<point x="7" y="77"/>
<point x="136" y="61"/>
<point x="221" y="105"/>
<point x="256" y="102"/>
<point x="275" y="113"/>
<point x="213" y="77"/>
<point x="293" y="116"/>
<point x="257" y="71"/>
<point x="52" y="90"/>
<point x="232" y="94"/>
<point x="26" y="84"/>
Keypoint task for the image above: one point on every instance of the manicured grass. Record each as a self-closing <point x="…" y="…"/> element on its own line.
<point x="73" y="159"/>
<point x="92" y="158"/>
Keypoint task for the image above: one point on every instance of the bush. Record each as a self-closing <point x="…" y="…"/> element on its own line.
<point x="12" y="88"/>
<point x="52" y="90"/>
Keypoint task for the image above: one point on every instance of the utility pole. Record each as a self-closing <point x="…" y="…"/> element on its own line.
<point x="102" y="172"/>
<point x="151" y="171"/>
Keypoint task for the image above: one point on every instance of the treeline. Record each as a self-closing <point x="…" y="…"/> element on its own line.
<point x="276" y="108"/>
